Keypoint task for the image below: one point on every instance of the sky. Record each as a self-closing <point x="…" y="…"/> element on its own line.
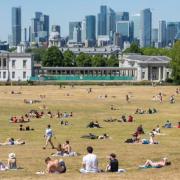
<point x="63" y="11"/>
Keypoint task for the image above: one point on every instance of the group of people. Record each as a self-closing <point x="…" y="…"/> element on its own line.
<point x="149" y="111"/>
<point x="93" y="124"/>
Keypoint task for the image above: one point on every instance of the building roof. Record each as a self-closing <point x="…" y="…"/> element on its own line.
<point x="147" y="59"/>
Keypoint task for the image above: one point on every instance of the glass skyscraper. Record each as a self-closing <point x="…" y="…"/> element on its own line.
<point x="40" y="28"/>
<point x="16" y="26"/>
<point x="136" y="24"/>
<point x="102" y="21"/>
<point x="72" y="26"/>
<point x="122" y="16"/>
<point x="154" y="36"/>
<point x="91" y="28"/>
<point x="162" y="34"/>
<point x="145" y="28"/>
<point x="172" y="30"/>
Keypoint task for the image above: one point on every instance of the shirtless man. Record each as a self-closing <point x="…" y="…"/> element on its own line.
<point x="55" y="166"/>
<point x="67" y="148"/>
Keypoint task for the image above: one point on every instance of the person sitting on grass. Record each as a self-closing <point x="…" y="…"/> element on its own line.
<point x="67" y="147"/>
<point x="90" y="162"/>
<point x="158" y="164"/>
<point x="130" y="118"/>
<point x="140" y="129"/>
<point x="55" y="166"/>
<point x="178" y="126"/>
<point x="12" y="161"/>
<point x="27" y="128"/>
<point x="113" y="165"/>
<point x="167" y="124"/>
<point x="59" y="151"/>
<point x="123" y="118"/>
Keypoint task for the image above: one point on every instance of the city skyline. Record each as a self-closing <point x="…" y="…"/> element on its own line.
<point x="59" y="15"/>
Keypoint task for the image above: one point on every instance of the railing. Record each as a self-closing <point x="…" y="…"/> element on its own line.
<point x="82" y="78"/>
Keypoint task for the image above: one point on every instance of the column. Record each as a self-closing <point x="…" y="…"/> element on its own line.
<point x="164" y="74"/>
<point x="159" y="74"/>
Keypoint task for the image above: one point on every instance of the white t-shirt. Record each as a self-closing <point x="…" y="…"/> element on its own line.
<point x="48" y="132"/>
<point x="91" y="163"/>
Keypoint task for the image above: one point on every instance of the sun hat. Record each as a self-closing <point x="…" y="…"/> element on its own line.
<point x="12" y="155"/>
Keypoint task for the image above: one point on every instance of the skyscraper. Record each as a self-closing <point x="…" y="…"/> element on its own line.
<point x="136" y="24"/>
<point x="16" y="26"/>
<point x="111" y="23"/>
<point x="145" y="28"/>
<point x="102" y="21"/>
<point x="154" y="37"/>
<point x="40" y="28"/>
<point x="172" y="30"/>
<point x="122" y="16"/>
<point x="83" y="31"/>
<point x="91" y="29"/>
<point x="162" y="34"/>
<point x="72" y="25"/>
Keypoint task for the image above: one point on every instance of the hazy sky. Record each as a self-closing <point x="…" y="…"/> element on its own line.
<point x="63" y="11"/>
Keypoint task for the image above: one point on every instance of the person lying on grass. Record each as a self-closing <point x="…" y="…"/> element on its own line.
<point x="27" y="128"/>
<point x="12" y="141"/>
<point x="55" y="166"/>
<point x="93" y="136"/>
<point x="156" y="164"/>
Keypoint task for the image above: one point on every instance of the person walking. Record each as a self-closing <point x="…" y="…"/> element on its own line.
<point x="48" y="135"/>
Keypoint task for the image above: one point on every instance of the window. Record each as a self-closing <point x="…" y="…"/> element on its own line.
<point x="4" y="62"/>
<point x="24" y="63"/>
<point x="24" y="75"/>
<point x="4" y="75"/>
<point x="13" y="75"/>
<point x="0" y="74"/>
<point x="13" y="63"/>
<point x="143" y="75"/>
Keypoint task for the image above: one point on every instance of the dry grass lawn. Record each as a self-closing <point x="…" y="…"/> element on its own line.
<point x="87" y="107"/>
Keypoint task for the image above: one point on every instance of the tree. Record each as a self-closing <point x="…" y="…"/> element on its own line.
<point x="83" y="60"/>
<point x="98" y="61"/>
<point x="175" y="63"/>
<point x="112" y="61"/>
<point x="69" y="59"/>
<point x="53" y="57"/>
<point x="134" y="48"/>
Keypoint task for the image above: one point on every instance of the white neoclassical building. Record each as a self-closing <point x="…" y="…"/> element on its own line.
<point x="150" y="68"/>
<point x="15" y="66"/>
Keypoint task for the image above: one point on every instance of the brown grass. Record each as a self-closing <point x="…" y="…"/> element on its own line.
<point x="87" y="107"/>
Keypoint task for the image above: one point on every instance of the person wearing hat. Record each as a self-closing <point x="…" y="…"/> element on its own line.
<point x="12" y="161"/>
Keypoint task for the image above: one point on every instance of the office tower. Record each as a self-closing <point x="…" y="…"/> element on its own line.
<point x="136" y="26"/>
<point x="122" y="16"/>
<point x="16" y="26"/>
<point x="77" y="34"/>
<point x="40" y="28"/>
<point x="172" y="30"/>
<point x="25" y="35"/>
<point x="162" y="34"/>
<point x="116" y="39"/>
<point x="83" y="31"/>
<point x="29" y="38"/>
<point x="56" y="28"/>
<point x="102" y="21"/>
<point x="72" y="25"/>
<point x="155" y="37"/>
<point x="91" y="30"/>
<point x="123" y="27"/>
<point x="106" y="22"/>
<point x="111" y="23"/>
<point x="145" y="28"/>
